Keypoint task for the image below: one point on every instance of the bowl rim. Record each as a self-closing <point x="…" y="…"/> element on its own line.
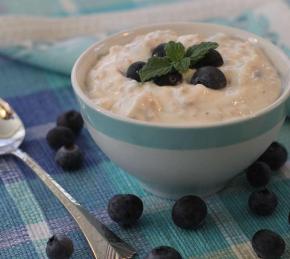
<point x="138" y="31"/>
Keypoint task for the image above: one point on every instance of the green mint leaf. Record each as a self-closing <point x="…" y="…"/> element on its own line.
<point x="197" y="52"/>
<point x="182" y="65"/>
<point x="175" y="51"/>
<point x="156" y="66"/>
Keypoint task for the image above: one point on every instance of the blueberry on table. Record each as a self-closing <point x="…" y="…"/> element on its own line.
<point x="268" y="244"/>
<point x="71" y="119"/>
<point x="189" y="212"/>
<point x="69" y="157"/>
<point x="259" y="174"/>
<point x="163" y="252"/>
<point x="212" y="58"/>
<point x="275" y="156"/>
<point x="60" y="136"/>
<point x="125" y="209"/>
<point x="210" y="77"/>
<point x="159" y="51"/>
<point x="59" y="247"/>
<point x="263" y="202"/>
<point x="133" y="70"/>
<point x="170" y="79"/>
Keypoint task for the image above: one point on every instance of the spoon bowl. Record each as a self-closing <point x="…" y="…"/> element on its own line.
<point x="12" y="131"/>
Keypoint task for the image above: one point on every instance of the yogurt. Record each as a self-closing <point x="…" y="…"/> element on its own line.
<point x="252" y="83"/>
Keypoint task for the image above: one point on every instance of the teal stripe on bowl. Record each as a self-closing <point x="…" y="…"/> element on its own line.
<point x="182" y="138"/>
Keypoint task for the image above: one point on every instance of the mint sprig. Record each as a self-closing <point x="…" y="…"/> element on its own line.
<point x="182" y="65"/>
<point x="176" y="58"/>
<point x="175" y="51"/>
<point x="156" y="66"/>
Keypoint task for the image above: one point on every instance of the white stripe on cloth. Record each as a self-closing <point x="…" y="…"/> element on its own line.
<point x="234" y="236"/>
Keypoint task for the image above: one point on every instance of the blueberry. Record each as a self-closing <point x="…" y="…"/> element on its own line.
<point x="189" y="212"/>
<point x="172" y="78"/>
<point x="72" y="120"/>
<point x="210" y="77"/>
<point x="263" y="202"/>
<point x="60" y="136"/>
<point x="159" y="51"/>
<point x="212" y="58"/>
<point x="69" y="157"/>
<point x="163" y="252"/>
<point x="125" y="209"/>
<point x="133" y="70"/>
<point x="259" y="174"/>
<point x="268" y="244"/>
<point x="59" y="247"/>
<point x="275" y="156"/>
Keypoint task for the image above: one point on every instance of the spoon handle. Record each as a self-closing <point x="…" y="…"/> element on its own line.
<point x="103" y="242"/>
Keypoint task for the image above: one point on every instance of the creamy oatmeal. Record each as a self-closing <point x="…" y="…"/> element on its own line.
<point x="252" y="83"/>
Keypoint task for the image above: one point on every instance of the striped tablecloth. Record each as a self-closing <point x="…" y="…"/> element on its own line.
<point x="29" y="213"/>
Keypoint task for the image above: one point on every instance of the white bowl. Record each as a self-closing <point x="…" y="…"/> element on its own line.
<point x="174" y="160"/>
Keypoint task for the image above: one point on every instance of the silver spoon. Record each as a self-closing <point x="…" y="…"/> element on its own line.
<point x="103" y="242"/>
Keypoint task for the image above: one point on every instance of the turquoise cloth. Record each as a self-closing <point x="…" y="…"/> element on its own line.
<point x="30" y="214"/>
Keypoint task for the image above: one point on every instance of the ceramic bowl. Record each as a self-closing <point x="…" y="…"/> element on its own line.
<point x="174" y="160"/>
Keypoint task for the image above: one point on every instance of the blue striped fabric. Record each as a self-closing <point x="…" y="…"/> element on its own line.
<point x="29" y="213"/>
